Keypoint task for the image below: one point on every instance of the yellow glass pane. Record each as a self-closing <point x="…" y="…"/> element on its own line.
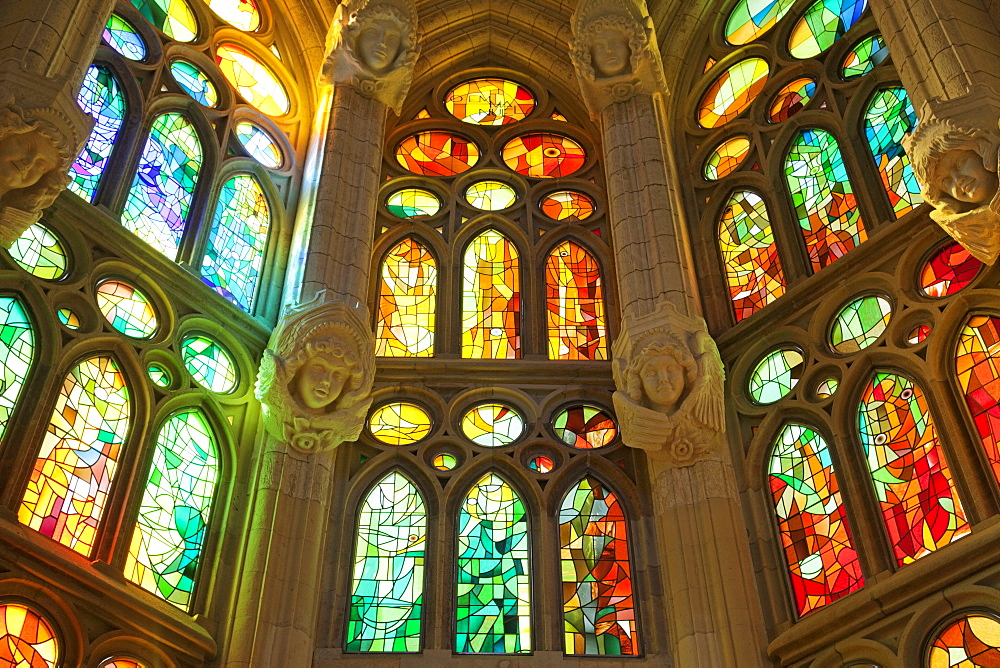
<point x="489" y="102"/>
<point x="252" y="79"/>
<point x="400" y="423"/>
<point x="241" y="13"/>
<point x="27" y="639"/>
<point x="732" y="92"/>
<point x="490" y="195"/>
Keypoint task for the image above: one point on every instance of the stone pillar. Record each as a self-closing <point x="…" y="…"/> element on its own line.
<point x="45" y="49"/>
<point x="670" y="378"/>
<point x="316" y="376"/>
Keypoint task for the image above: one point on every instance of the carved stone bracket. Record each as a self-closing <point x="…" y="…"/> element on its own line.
<point x="614" y="52"/>
<point x="670" y="382"/>
<point x="373" y="45"/>
<point x="316" y="376"/>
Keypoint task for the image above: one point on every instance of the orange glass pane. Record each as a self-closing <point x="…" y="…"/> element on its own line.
<point x="726" y="157"/>
<point x="491" y="299"/>
<point x="406" y="302"/>
<point x="489" y="102"/>
<point x="568" y="205"/>
<point x="252" y="79"/>
<point x="544" y="155"/>
<point x="972" y="641"/>
<point x="26" y="639"/>
<point x="437" y="153"/>
<point x="732" y="92"/>
<point x="791" y="99"/>
<point x="575" y="304"/>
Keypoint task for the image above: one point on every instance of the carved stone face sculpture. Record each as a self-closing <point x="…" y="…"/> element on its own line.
<point x="663" y="382"/>
<point x="962" y="175"/>
<point x="24" y="159"/>
<point x="378" y="44"/>
<point x="320" y="381"/>
<point x="610" y="54"/>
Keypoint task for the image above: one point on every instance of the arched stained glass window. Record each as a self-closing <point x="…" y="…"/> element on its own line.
<point x="160" y="197"/>
<point x="494" y="589"/>
<point x="977" y="362"/>
<point x="823" y="197"/>
<point x="888" y="117"/>
<point x="491" y="298"/>
<point x="971" y="641"/>
<point x="236" y="244"/>
<point x="26" y="639"/>
<point x="100" y="96"/>
<point x="166" y="547"/>
<point x="17" y="352"/>
<point x="750" y="256"/>
<point x="407" y="301"/>
<point x="79" y="456"/>
<point x="598" y="606"/>
<point x="574" y="296"/>
<point x="387" y="592"/>
<point x="919" y="503"/>
<point x="812" y="524"/>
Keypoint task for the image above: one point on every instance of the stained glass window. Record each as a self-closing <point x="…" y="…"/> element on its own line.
<point x="79" y="455"/>
<point x="822" y="24"/>
<point x="259" y="144"/>
<point x="26" y="639"/>
<point x="575" y="304"/>
<point x="977" y="362"/>
<point x="791" y="99"/>
<point x="17" y="352"/>
<point x="126" y="308"/>
<point x="40" y="252"/>
<point x="888" y="117"/>
<point x="726" y="157"/>
<point x="165" y="552"/>
<point x="776" y="375"/>
<point x="919" y="503"/>
<point x="160" y="197"/>
<point x="732" y="92"/>
<point x="159" y="375"/>
<point x="860" y="323"/>
<point x="948" y="270"/>
<point x="541" y="464"/>
<point x="489" y="102"/>
<point x="413" y="203"/>
<point x="812" y="523"/>
<point x="407" y="302"/>
<point x="173" y="17"/>
<point x="827" y="387"/>
<point x="400" y="423"/>
<point x="585" y="427"/>
<point x="918" y="334"/>
<point x="543" y="155"/>
<point x="752" y="18"/>
<point x="241" y="13"/>
<point x="209" y="363"/>
<point x="598" y="606"/>
<point x="444" y="461"/>
<point x="68" y="317"/>
<point x="437" y="153"/>
<point x="823" y="197"/>
<point x="494" y="590"/>
<point x="122" y="663"/>
<point x="194" y="82"/>
<point x="252" y="79"/>
<point x="749" y="254"/>
<point x="971" y="641"/>
<point x="568" y="205"/>
<point x="124" y="38"/>
<point x="491" y="298"/>
<point x="235" y="252"/>
<point x="866" y="55"/>
<point x="100" y="96"/>
<point x="490" y="195"/>
<point x="388" y="585"/>
<point x="493" y="425"/>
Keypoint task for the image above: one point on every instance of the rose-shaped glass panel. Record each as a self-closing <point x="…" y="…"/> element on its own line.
<point x="544" y="155"/>
<point x="585" y="427"/>
<point x="400" y="423"/>
<point x="732" y="92"/>
<point x="726" y="157"/>
<point x="492" y="425"/>
<point x="124" y="38"/>
<point x="252" y="79"/>
<point x="860" y="323"/>
<point x="126" y="308"/>
<point x="209" y="363"/>
<point x="437" y="153"/>
<point x="568" y="205"/>
<point x="40" y="253"/>
<point x="791" y="99"/>
<point x="950" y="269"/>
<point x="413" y="203"/>
<point x="259" y="144"/>
<point x="866" y="55"/>
<point x="490" y="195"/>
<point x="775" y="375"/>
<point x="489" y="102"/>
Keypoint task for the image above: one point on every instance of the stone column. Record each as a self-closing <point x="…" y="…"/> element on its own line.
<point x="316" y="376"/>
<point x="45" y="49"/>
<point x="670" y="378"/>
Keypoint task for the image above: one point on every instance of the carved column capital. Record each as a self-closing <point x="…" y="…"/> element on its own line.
<point x="373" y="46"/>
<point x="316" y="376"/>
<point x="614" y="52"/>
<point x="670" y="382"/>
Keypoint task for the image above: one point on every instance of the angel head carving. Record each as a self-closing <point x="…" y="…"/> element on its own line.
<point x="658" y="376"/>
<point x="609" y="47"/>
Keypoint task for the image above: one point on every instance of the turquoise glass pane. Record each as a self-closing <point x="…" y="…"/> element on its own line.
<point x="208" y="363"/>
<point x="888" y="117"/>
<point x="752" y="18"/>
<point x="194" y="82"/>
<point x="100" y="96"/>
<point x="124" y="38"/>
<point x="17" y="351"/>
<point x="822" y="24"/>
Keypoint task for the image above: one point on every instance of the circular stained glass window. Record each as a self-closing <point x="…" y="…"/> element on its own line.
<point x="791" y="99"/>
<point x="437" y="153"/>
<point x="489" y="102"/>
<point x="541" y="464"/>
<point x="918" y="334"/>
<point x="568" y="205"/>
<point x="726" y="157"/>
<point x="194" y="82"/>
<point x="490" y="195"/>
<point x="950" y="269"/>
<point x="27" y="638"/>
<point x="413" y="203"/>
<point x="492" y="425"/>
<point x="122" y="663"/>
<point x="400" y="423"/>
<point x="444" y="461"/>
<point x="259" y="144"/>
<point x="775" y="375"/>
<point x="40" y="253"/>
<point x="732" y="92"/>
<point x="159" y="375"/>
<point x="209" y="363"/>
<point x="868" y="54"/>
<point x="585" y="427"/>
<point x="174" y="18"/>
<point x="252" y="79"/>
<point x="544" y="155"/>
<point x="827" y="387"/>
<point x="124" y="38"/>
<point x="126" y="308"/>
<point x="860" y="323"/>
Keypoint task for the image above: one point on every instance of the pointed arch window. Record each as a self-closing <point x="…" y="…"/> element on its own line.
<point x="574" y="296"/>
<point x="17" y="354"/>
<point x="749" y="254"/>
<point x="977" y="363"/>
<point x="76" y="464"/>
<point x="386" y="613"/>
<point x="407" y="301"/>
<point x="169" y="536"/>
<point x="888" y="117"/>
<point x="101" y="96"/>
<point x="494" y="588"/>
<point x="491" y="298"/>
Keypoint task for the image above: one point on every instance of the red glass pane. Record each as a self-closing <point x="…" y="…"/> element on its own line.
<point x="950" y="269"/>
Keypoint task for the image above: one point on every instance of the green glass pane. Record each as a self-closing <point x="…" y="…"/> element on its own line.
<point x="173" y="17"/>
<point x="17" y="351"/>
<point x="40" y="253"/>
<point x="159" y="375"/>
<point x="889" y="117"/>
<point x="124" y="38"/>
<point x="775" y="375"/>
<point x="126" y="308"/>
<point x="822" y="24"/>
<point x="444" y="461"/>
<point x="860" y="323"/>
<point x="209" y="363"/>
<point x="68" y="318"/>
<point x="827" y="388"/>
<point x="866" y="55"/>
<point x="413" y="203"/>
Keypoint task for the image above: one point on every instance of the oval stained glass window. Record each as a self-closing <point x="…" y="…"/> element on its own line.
<point x="918" y="334"/>
<point x="866" y="55"/>
<point x="544" y="155"/>
<point x="209" y="363"/>
<point x="489" y="102"/>
<point x="240" y="13"/>
<point x="752" y="18"/>
<point x="822" y="24"/>
<point x="950" y="269"/>
<point x="444" y="461"/>
<point x="568" y="205"/>
<point x="437" y="153"/>
<point x="69" y="318"/>
<point x="173" y="17"/>
<point x="860" y="323"/>
<point x="126" y="308"/>
<point x="259" y="144"/>
<point x="400" y="423"/>
<point x="252" y="79"/>
<point x="726" y="157"/>
<point x="122" y="663"/>
<point x="124" y="38"/>
<point x="40" y="253"/>
<point x="28" y="640"/>
<point x="492" y="425"/>
<point x="585" y="427"/>
<point x="194" y="82"/>
<point x="775" y="376"/>
<point x="413" y="203"/>
<point x="159" y="375"/>
<point x="791" y="99"/>
<point x="827" y="387"/>
<point x="490" y="195"/>
<point x="541" y="464"/>
<point x="732" y="92"/>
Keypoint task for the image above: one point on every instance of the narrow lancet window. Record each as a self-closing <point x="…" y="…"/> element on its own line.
<point x="574" y="295"/>
<point x="491" y="299"/>
<point x="407" y="301"/>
